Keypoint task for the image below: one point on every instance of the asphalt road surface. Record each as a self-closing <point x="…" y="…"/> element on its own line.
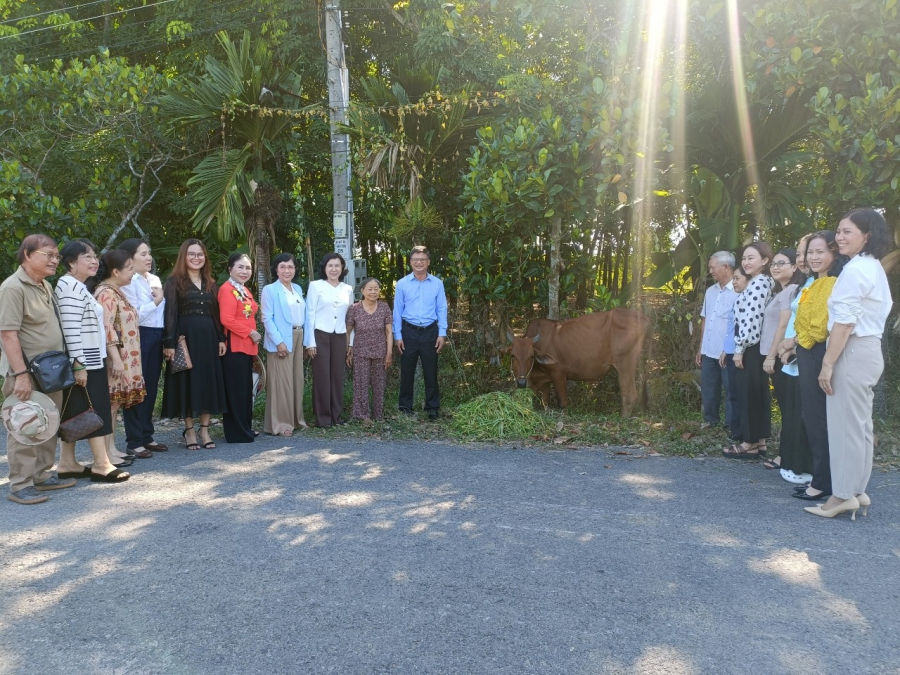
<point x="375" y="557"/>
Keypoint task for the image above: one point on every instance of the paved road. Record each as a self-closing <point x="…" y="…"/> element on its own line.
<point x="375" y="557"/>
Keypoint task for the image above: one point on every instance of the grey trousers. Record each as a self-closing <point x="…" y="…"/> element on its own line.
<point x="29" y="464"/>
<point x="850" y="429"/>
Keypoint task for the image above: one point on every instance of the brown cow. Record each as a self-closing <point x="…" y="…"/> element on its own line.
<point x="582" y="349"/>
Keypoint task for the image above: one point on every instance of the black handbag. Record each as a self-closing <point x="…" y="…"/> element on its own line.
<point x="82" y="424"/>
<point x="181" y="359"/>
<point x="52" y="371"/>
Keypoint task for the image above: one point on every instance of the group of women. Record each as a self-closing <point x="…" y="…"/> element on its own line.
<point x="121" y="324"/>
<point x="812" y="320"/>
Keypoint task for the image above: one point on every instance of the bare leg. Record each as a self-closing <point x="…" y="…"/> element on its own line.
<point x="204" y="429"/>
<point x="102" y="463"/>
<point x="190" y="437"/>
<point x="67" y="461"/>
<point x="111" y="451"/>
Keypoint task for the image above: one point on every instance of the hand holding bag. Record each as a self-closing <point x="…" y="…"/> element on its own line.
<point x="181" y="361"/>
<point x="83" y="424"/>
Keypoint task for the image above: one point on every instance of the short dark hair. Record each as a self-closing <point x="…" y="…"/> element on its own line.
<point x="870" y="222"/>
<point x="234" y="257"/>
<point x="365" y="282"/>
<point x="32" y="243"/>
<point x="132" y="245"/>
<point x="420" y="249"/>
<point x="740" y="270"/>
<point x="284" y="257"/>
<point x="791" y="254"/>
<point x="328" y="258"/>
<point x="839" y="260"/>
<point x="75" y="248"/>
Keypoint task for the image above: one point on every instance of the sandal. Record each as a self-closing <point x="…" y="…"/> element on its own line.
<point x="189" y="446"/>
<point x="114" y="476"/>
<point x="737" y="451"/>
<point x="209" y="445"/>
<point x="774" y="463"/>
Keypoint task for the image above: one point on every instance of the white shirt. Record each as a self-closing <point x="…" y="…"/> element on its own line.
<point x="296" y="305"/>
<point x="326" y="309"/>
<point x="717" y="304"/>
<point x="150" y="315"/>
<point x="98" y="310"/>
<point x="861" y="297"/>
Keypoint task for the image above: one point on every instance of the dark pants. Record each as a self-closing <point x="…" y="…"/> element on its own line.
<point x="754" y="396"/>
<point x="794" y="445"/>
<point x="237" y="423"/>
<point x="329" y="368"/>
<point x="139" y="418"/>
<point x="733" y="420"/>
<point x="419" y="343"/>
<point x="815" y="416"/>
<point x="713" y="378"/>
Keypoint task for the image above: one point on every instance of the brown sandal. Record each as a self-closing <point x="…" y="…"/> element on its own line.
<point x="737" y="451"/>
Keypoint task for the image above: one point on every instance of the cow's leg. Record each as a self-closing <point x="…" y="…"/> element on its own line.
<point x="562" y="394"/>
<point x="627" y="372"/>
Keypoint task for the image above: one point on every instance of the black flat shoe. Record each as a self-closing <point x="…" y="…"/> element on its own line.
<point x="801" y="488"/>
<point x="810" y="498"/>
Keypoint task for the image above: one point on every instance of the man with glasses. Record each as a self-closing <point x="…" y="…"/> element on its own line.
<point x="717" y="304"/>
<point x="420" y="330"/>
<point x="28" y="327"/>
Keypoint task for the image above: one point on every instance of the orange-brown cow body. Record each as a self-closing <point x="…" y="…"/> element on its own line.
<point x="582" y="349"/>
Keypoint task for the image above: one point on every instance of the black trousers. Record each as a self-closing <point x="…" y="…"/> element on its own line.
<point x="329" y="369"/>
<point x="139" y="418"/>
<point x="754" y="398"/>
<point x="815" y="416"/>
<point x="419" y="343"/>
<point x="237" y="423"/>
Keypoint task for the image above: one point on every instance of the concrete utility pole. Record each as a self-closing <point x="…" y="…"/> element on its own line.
<point x="338" y="101"/>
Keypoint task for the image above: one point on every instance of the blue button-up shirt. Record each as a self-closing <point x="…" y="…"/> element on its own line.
<point x="420" y="303"/>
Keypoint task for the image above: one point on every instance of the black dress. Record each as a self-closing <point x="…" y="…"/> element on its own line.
<point x="201" y="389"/>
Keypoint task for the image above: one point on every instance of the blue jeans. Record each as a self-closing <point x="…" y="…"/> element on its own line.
<point x="712" y="379"/>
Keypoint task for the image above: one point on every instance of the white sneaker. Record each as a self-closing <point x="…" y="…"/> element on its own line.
<point x="797" y="479"/>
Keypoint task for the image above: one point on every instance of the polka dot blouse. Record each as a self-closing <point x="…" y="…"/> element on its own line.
<point x="748" y="312"/>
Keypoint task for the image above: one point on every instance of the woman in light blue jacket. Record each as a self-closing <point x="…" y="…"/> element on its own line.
<point x="283" y="313"/>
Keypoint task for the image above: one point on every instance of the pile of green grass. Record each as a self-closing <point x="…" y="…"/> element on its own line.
<point x="498" y="416"/>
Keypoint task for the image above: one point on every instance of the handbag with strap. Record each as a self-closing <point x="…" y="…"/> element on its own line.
<point x="52" y="371"/>
<point x="82" y="424"/>
<point x="181" y="361"/>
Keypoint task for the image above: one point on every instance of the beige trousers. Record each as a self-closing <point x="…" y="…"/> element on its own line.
<point x="850" y="429"/>
<point x="284" y="389"/>
<point x="29" y="464"/>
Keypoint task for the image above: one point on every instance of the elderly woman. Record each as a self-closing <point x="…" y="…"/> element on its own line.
<point x="237" y="311"/>
<point x="120" y="321"/>
<point x="283" y="315"/>
<point x="83" y="329"/>
<point x="853" y="362"/>
<point x="753" y="386"/>
<point x="325" y="338"/>
<point x="371" y="324"/>
<point x="192" y="311"/>
<point x="811" y="326"/>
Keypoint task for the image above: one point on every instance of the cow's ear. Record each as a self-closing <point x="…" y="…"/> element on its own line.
<point x="544" y="359"/>
<point x="509" y="336"/>
<point x="505" y="350"/>
<point x="536" y="339"/>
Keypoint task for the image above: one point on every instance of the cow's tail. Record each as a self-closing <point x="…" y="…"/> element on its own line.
<point x="648" y="345"/>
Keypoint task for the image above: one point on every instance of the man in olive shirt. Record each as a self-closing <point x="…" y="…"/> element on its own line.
<point x="28" y="327"/>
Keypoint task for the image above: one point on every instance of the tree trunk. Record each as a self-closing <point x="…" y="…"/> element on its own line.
<point x="553" y="281"/>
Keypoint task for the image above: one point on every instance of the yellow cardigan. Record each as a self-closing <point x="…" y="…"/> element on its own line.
<point x="811" y="323"/>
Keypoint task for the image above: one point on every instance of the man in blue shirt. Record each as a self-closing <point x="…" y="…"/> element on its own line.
<point x="420" y="330"/>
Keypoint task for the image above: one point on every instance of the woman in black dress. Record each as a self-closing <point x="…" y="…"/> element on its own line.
<point x="192" y="310"/>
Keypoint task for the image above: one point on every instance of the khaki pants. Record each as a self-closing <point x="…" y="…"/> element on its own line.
<point x="29" y="464"/>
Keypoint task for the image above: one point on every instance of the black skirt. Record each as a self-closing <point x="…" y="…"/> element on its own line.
<point x="75" y="400"/>
<point x="200" y="389"/>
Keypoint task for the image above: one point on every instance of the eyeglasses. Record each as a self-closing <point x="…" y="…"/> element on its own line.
<point x="89" y="257"/>
<point x="780" y="264"/>
<point x="196" y="256"/>
<point x="50" y="256"/>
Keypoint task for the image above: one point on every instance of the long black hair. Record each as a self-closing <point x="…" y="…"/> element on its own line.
<point x="113" y="259"/>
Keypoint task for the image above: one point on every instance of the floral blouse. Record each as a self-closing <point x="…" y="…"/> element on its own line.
<point x="811" y="323"/>
<point x="748" y="312"/>
<point x="120" y="320"/>
<point x="370" y="338"/>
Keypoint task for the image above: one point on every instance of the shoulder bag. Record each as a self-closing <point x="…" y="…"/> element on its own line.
<point x="82" y="424"/>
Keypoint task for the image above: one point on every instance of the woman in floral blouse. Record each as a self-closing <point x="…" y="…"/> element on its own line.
<point x="237" y="310"/>
<point x="370" y="354"/>
<point x="752" y="382"/>
<point x="123" y="342"/>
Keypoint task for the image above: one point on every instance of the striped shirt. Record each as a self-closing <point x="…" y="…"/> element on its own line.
<point x="717" y="306"/>
<point x="82" y="322"/>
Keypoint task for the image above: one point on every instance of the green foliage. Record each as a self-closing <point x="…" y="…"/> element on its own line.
<point x="498" y="416"/>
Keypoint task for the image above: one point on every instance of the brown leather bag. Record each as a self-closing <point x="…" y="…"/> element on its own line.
<point x="83" y="424"/>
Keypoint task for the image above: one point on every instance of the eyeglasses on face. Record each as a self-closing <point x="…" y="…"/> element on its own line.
<point x="90" y="257"/>
<point x="50" y="256"/>
<point x="780" y="263"/>
<point x="196" y="256"/>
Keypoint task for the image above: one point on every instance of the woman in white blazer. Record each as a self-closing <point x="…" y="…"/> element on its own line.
<point x="283" y="314"/>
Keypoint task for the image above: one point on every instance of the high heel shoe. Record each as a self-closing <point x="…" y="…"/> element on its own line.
<point x="189" y="446"/>
<point x="209" y="445"/>
<point x="851" y="504"/>
<point x="864" y="503"/>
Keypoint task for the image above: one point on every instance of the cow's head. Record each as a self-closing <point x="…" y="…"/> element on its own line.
<point x="524" y="355"/>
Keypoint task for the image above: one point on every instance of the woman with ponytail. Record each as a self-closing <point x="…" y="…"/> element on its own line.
<point x="123" y="342"/>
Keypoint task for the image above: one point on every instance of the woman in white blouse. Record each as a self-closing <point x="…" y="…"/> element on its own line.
<point x="754" y="398"/>
<point x="283" y="312"/>
<point x="857" y="310"/>
<point x="325" y="338"/>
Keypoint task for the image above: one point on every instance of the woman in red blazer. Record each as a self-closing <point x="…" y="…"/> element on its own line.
<point x="237" y="310"/>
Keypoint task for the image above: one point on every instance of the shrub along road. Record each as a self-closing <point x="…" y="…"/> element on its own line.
<point x="322" y="555"/>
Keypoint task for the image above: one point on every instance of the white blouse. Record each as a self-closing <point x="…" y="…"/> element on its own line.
<point x="326" y="309"/>
<point x="139" y="294"/>
<point x="297" y="306"/>
<point x="861" y="297"/>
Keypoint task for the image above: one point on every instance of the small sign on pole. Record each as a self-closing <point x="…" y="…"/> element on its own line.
<point x="340" y="226"/>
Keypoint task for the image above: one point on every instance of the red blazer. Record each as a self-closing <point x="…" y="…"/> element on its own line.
<point x="237" y="326"/>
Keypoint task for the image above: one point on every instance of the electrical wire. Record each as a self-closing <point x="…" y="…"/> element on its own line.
<point x="93" y="18"/>
<point x="61" y="10"/>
